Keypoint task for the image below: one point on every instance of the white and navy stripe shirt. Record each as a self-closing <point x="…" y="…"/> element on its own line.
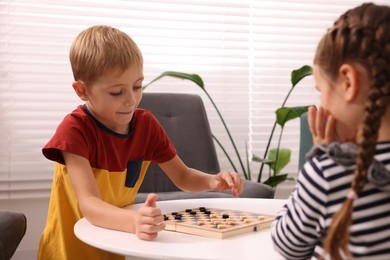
<point x="322" y="187"/>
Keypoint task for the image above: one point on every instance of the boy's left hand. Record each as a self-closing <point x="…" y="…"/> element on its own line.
<point x="227" y="180"/>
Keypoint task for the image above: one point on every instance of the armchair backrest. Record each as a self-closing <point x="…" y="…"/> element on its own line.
<point x="184" y="119"/>
<point x="306" y="139"/>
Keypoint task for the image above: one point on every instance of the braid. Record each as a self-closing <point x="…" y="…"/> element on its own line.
<point x="360" y="36"/>
<point x="378" y="98"/>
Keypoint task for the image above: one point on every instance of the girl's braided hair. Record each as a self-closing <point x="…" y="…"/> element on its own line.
<point x="360" y="36"/>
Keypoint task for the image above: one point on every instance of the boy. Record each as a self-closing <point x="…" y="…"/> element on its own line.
<point x="104" y="147"/>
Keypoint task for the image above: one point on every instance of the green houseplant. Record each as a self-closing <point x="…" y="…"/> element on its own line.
<point x="276" y="158"/>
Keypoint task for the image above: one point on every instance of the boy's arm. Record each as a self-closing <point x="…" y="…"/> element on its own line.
<point x="145" y="222"/>
<point x="189" y="179"/>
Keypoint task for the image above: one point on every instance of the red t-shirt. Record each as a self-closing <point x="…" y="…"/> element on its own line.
<point x="119" y="163"/>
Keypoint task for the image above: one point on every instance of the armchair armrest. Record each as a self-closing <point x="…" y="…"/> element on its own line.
<point x="257" y="190"/>
<point x="12" y="229"/>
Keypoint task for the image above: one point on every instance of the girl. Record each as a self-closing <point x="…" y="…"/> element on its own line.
<point x="340" y="207"/>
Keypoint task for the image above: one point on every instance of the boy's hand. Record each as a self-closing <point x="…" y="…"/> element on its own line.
<point x="150" y="220"/>
<point x="321" y="125"/>
<point x="227" y="180"/>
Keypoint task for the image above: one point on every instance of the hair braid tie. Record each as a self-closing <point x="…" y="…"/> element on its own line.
<point x="352" y="195"/>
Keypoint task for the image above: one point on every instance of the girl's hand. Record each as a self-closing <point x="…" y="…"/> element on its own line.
<point x="322" y="126"/>
<point x="227" y="180"/>
<point x="149" y="221"/>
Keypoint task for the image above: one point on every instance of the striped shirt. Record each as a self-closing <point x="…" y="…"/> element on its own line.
<point x="322" y="187"/>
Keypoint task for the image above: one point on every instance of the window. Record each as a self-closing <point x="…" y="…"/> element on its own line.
<point x="243" y="50"/>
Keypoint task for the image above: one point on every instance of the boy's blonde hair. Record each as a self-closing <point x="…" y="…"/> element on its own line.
<point x="99" y="48"/>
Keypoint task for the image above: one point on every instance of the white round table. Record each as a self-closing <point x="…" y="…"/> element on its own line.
<point x="174" y="245"/>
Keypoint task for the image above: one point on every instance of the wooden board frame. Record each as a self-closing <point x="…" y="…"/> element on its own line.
<point x="215" y="224"/>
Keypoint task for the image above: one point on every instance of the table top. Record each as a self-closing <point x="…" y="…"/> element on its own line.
<point x="175" y="245"/>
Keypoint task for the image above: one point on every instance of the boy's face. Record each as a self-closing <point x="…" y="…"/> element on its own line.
<point x="113" y="97"/>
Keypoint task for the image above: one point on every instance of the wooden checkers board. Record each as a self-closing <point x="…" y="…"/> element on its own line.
<point x="216" y="223"/>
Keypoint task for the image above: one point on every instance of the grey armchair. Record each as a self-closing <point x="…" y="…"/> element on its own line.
<point x="12" y="230"/>
<point x="184" y="119"/>
<point x="306" y="139"/>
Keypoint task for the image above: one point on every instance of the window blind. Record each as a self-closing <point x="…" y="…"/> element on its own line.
<point x="243" y="50"/>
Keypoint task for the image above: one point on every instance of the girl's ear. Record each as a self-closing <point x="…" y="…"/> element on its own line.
<point x="80" y="89"/>
<point x="350" y="81"/>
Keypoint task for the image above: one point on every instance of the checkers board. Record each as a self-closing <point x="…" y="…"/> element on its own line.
<point x="215" y="222"/>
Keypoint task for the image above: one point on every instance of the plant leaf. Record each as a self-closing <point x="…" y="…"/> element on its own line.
<point x="256" y="158"/>
<point x="275" y="180"/>
<point x="297" y="75"/>
<point x="285" y="114"/>
<point x="192" y="77"/>
<point x="283" y="158"/>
